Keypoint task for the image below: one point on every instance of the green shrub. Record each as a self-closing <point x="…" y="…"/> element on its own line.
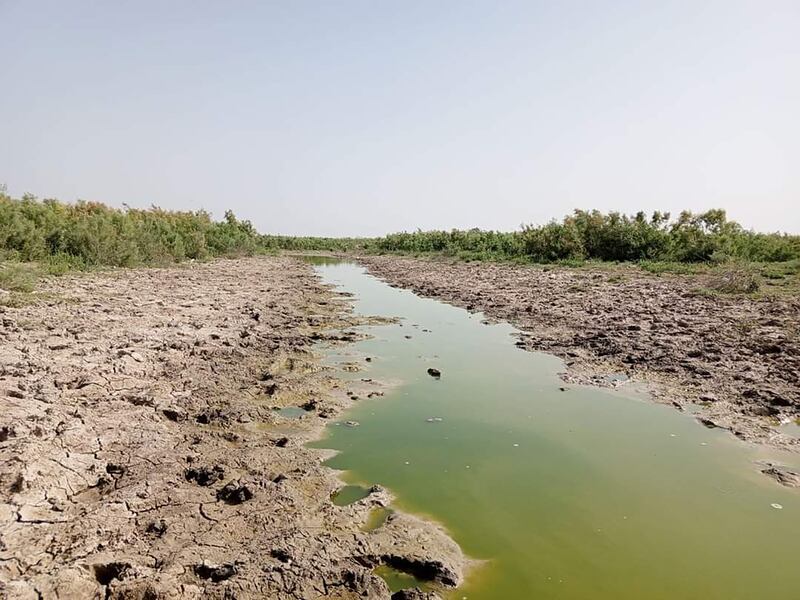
<point x="88" y="234"/>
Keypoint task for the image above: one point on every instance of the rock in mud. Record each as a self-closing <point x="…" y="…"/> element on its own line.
<point x="205" y="476"/>
<point x="157" y="528"/>
<point x="782" y="474"/>
<point x="215" y="573"/>
<point x="235" y="493"/>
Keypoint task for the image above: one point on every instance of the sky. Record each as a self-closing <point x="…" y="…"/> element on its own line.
<point x="363" y="118"/>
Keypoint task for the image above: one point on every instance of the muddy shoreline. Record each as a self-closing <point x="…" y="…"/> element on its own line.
<point x="143" y="453"/>
<point x="734" y="360"/>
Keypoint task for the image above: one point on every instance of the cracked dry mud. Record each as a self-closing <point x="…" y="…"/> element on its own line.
<point x="737" y="358"/>
<point x="141" y="456"/>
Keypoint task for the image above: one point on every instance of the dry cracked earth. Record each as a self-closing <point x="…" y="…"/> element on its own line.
<point x="736" y="358"/>
<point x="141" y="455"/>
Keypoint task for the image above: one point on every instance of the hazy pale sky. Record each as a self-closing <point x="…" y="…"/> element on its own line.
<point x="361" y="118"/>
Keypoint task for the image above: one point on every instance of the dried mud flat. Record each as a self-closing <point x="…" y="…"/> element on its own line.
<point x="736" y="358"/>
<point x="142" y="455"/>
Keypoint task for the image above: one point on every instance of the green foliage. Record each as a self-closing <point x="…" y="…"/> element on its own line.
<point x="656" y="241"/>
<point x="304" y="244"/>
<point x="88" y="234"/>
<point x="18" y="277"/>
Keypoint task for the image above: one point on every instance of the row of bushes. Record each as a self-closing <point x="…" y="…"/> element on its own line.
<point x="585" y="235"/>
<point x="88" y="234"/>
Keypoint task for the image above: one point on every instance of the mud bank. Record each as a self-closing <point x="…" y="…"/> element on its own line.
<point x="737" y="359"/>
<point x="143" y="455"/>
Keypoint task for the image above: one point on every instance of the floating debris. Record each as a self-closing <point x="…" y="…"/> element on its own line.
<point x="776" y="505"/>
<point x="434" y="419"/>
<point x="434" y="372"/>
<point x="352" y="423"/>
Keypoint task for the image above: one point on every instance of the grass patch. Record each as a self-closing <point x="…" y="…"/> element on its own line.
<point x="19" y="277"/>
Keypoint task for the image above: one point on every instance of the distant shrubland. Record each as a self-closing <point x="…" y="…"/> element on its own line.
<point x="89" y="234"/>
<point x="592" y="235"/>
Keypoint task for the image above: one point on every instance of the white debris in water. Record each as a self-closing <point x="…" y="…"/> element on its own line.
<point x="408" y="463"/>
<point x="468" y="466"/>
<point x="516" y="445"/>
<point x="776" y="505"/>
<point x="672" y="435"/>
<point x="434" y="419"/>
<point x="704" y="443"/>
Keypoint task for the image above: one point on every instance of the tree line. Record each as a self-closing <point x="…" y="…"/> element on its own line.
<point x="87" y="234"/>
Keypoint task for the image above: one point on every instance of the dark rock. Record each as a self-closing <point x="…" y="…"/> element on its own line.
<point x="280" y="554"/>
<point x="174" y="414"/>
<point x="215" y="573"/>
<point x="6" y="432"/>
<point x="234" y="493"/>
<point x="769" y="348"/>
<point x="116" y="470"/>
<point x="434" y="372"/>
<point x="281" y="442"/>
<point x="783" y="475"/>
<point x="106" y="573"/>
<point x="424" y="570"/>
<point x="205" y="476"/>
<point x="157" y="528"/>
<point x="207" y="417"/>
<point x="310" y="405"/>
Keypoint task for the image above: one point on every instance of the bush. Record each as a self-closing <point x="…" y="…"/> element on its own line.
<point x="591" y="235"/>
<point x="87" y="234"/>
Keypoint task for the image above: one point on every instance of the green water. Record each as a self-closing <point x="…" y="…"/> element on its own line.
<point x="570" y="494"/>
<point x="349" y="494"/>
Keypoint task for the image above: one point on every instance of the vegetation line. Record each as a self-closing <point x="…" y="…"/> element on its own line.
<point x="82" y="235"/>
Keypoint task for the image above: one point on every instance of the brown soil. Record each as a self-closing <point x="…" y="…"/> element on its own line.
<point x="737" y="357"/>
<point x="141" y="455"/>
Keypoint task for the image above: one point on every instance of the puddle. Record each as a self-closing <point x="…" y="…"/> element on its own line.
<point x="291" y="412"/>
<point x="377" y="517"/>
<point x="568" y="496"/>
<point x="792" y="429"/>
<point x="349" y="494"/>
<point x="400" y="580"/>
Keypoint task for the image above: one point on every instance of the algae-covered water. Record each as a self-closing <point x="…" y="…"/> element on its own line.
<point x="573" y="494"/>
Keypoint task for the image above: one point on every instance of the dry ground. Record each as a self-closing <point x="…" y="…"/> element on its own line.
<point x="141" y="455"/>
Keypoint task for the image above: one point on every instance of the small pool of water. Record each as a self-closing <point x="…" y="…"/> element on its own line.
<point x="349" y="494"/>
<point x="567" y="495"/>
<point x="792" y="429"/>
<point x="291" y="412"/>
<point x="377" y="518"/>
<point x="400" y="580"/>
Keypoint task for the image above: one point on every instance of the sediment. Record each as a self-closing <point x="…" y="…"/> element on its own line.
<point x="735" y="358"/>
<point x="142" y="456"/>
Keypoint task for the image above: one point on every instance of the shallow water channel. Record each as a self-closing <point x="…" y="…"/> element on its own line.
<point x="575" y="494"/>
